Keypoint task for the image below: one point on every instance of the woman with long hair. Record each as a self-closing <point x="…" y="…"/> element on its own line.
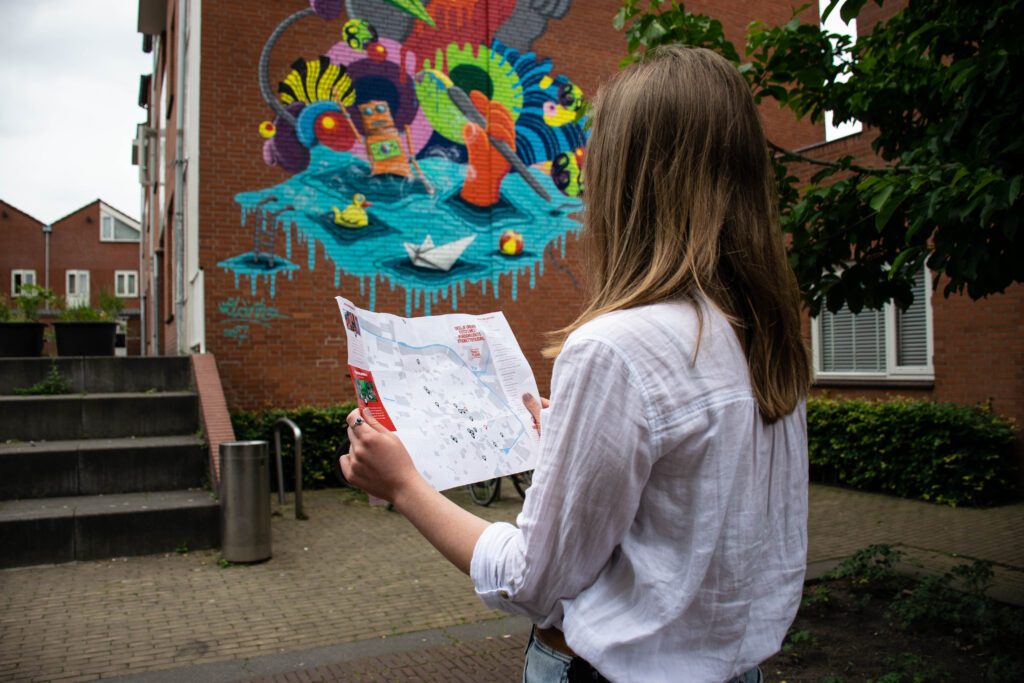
<point x="665" y="535"/>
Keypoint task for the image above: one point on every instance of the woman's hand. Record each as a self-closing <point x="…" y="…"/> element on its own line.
<point x="377" y="461"/>
<point x="535" y="406"/>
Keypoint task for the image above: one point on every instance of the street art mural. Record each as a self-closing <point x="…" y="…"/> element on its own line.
<point x="428" y="149"/>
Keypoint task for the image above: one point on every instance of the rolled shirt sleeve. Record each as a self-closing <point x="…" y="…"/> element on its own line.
<point x="597" y="449"/>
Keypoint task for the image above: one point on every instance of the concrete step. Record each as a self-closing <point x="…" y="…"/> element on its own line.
<point x="39" y="469"/>
<point x="51" y="530"/>
<point x="97" y="416"/>
<point x="100" y="375"/>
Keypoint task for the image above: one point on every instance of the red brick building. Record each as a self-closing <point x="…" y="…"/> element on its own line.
<point x="92" y="250"/>
<point x="257" y="216"/>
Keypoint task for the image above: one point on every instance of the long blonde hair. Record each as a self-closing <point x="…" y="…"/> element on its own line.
<point x="680" y="203"/>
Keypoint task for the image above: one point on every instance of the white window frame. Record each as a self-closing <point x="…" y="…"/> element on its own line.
<point x="77" y="298"/>
<point x="835" y="24"/>
<point x="893" y="372"/>
<point x="19" y="274"/>
<point x="130" y="276"/>
<point x="107" y="217"/>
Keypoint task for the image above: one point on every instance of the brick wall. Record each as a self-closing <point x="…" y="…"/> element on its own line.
<point x="22" y="245"/>
<point x="295" y="352"/>
<point x="75" y="245"/>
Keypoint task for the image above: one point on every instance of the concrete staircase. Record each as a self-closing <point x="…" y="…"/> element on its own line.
<point x="116" y="468"/>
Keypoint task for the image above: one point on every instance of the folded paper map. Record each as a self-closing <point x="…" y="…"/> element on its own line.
<point x="450" y="386"/>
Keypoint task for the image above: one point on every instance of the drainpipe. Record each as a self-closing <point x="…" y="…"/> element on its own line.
<point x="47" y="229"/>
<point x="179" y="182"/>
<point x="140" y="282"/>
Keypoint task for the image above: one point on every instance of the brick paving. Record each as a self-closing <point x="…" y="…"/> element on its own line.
<point x="336" y="585"/>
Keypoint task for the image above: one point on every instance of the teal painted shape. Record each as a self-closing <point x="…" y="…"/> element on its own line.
<point x="403" y="211"/>
<point x="253" y="267"/>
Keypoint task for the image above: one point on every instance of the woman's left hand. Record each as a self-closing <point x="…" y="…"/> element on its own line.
<point x="377" y="461"/>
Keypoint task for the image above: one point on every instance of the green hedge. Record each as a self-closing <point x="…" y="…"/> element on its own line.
<point x="323" y="434"/>
<point x="939" y="452"/>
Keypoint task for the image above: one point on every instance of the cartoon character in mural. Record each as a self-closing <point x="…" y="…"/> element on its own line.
<point x="452" y="136"/>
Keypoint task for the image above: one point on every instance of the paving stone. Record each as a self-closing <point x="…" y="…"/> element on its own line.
<point x="354" y="574"/>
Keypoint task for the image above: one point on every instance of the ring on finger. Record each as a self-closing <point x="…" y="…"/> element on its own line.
<point x="358" y="422"/>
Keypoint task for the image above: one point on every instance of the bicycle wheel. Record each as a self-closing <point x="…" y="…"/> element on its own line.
<point x="523" y="481"/>
<point x="485" y="492"/>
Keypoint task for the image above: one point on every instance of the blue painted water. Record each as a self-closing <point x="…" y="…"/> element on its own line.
<point x="402" y="210"/>
<point x="254" y="267"/>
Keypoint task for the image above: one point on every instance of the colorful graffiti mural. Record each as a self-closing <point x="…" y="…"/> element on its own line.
<point x="428" y="149"/>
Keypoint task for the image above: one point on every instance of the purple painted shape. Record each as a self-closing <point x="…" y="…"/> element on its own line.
<point x="327" y="9"/>
<point x="288" y="152"/>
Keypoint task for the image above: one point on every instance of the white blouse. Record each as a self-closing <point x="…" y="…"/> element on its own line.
<point x="666" y="529"/>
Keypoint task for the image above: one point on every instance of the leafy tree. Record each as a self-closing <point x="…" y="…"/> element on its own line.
<point x="940" y="84"/>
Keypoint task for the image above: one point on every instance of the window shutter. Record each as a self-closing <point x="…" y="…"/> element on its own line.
<point x="853" y="343"/>
<point x="912" y="328"/>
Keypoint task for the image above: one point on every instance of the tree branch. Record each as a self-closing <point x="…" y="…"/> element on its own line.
<point x="781" y="151"/>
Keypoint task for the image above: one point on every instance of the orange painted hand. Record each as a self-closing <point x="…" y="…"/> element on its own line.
<point x="487" y="166"/>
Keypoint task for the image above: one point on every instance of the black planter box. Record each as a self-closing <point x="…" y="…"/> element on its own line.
<point x="20" y="340"/>
<point x="85" y="338"/>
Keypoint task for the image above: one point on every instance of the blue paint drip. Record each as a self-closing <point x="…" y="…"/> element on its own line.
<point x="373" y="292"/>
<point x="402" y="212"/>
<point x="249" y="265"/>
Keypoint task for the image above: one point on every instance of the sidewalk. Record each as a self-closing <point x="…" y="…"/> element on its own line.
<point x="355" y="594"/>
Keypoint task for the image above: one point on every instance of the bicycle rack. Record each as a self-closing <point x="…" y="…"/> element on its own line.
<point x="297" y="441"/>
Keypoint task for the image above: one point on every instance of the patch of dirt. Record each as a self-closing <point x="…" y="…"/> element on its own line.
<point x="844" y="632"/>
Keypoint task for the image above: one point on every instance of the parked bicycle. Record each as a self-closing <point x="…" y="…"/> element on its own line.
<point x="482" y="492"/>
<point x="486" y="492"/>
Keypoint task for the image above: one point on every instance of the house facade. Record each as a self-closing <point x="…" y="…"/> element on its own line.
<point x="295" y="151"/>
<point x="91" y="250"/>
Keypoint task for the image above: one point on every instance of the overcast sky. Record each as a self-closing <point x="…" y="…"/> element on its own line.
<point x="69" y="86"/>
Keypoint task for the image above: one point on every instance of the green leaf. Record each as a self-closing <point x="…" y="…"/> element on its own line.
<point x="850" y="10"/>
<point x="619" y="20"/>
<point x="828" y="10"/>
<point x="654" y="32"/>
<point x="1014" y="189"/>
<point x="880" y="198"/>
<point x="901" y="258"/>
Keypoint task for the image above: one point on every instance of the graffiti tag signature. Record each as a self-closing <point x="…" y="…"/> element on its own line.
<point x="242" y="314"/>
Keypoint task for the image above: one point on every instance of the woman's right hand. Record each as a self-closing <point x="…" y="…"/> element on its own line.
<point x="535" y="406"/>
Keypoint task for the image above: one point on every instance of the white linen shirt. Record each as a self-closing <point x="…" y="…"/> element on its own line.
<point x="666" y="529"/>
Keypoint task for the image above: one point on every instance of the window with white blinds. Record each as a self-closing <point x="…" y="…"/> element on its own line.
<point x="876" y="344"/>
<point x="853" y="343"/>
<point x="912" y="328"/>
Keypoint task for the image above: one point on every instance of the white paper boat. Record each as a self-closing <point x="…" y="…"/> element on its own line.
<point x="443" y="257"/>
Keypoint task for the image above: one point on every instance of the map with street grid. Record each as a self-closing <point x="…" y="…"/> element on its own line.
<point x="449" y="386"/>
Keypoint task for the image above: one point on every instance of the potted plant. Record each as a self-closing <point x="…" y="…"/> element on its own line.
<point x="21" y="333"/>
<point x="88" y="331"/>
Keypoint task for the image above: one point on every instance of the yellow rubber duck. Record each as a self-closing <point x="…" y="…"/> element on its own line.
<point x="354" y="215"/>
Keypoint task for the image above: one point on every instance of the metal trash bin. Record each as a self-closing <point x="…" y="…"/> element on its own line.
<point x="245" y="501"/>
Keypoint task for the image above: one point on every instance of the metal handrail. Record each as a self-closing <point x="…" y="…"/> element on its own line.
<point x="297" y="440"/>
